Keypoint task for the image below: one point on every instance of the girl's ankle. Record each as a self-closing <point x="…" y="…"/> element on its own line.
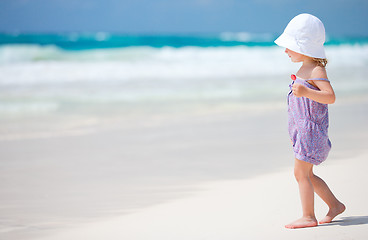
<point x="310" y="217"/>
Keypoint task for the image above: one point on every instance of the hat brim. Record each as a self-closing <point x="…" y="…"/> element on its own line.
<point x="286" y="41"/>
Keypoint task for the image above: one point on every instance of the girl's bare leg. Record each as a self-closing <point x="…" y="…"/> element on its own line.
<point x="302" y="171"/>
<point x="335" y="206"/>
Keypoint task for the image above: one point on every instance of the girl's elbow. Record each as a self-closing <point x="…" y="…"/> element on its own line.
<point x="332" y="99"/>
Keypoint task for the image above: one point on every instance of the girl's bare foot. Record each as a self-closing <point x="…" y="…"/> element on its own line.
<point x="332" y="213"/>
<point x="303" y="223"/>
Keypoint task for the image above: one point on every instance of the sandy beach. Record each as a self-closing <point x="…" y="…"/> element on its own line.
<point x="223" y="173"/>
<point x="255" y="208"/>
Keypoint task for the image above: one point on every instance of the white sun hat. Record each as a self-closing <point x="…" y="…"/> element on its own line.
<point x="304" y="34"/>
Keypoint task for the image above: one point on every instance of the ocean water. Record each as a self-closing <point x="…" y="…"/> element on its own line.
<point x="85" y="72"/>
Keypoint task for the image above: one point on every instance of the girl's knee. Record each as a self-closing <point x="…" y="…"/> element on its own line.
<point x="300" y="174"/>
<point x="302" y="170"/>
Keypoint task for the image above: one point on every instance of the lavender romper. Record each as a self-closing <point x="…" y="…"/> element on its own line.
<point x="308" y="126"/>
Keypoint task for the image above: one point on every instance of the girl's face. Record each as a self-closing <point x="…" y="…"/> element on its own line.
<point x="294" y="56"/>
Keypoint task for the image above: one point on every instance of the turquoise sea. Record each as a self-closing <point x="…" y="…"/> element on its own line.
<point x="85" y="41"/>
<point x="76" y="72"/>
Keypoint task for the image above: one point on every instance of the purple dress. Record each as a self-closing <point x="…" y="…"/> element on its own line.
<point x="308" y="126"/>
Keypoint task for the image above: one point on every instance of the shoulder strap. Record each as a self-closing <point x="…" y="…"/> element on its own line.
<point x="318" y="79"/>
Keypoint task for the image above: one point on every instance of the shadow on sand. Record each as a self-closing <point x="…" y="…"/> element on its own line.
<point x="348" y="221"/>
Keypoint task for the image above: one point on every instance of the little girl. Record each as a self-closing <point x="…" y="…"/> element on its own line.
<point x="310" y="92"/>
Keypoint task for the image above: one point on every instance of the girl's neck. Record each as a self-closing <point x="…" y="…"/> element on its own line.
<point x="307" y="67"/>
<point x="309" y="62"/>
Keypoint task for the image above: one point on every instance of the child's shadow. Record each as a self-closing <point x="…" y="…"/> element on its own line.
<point x="349" y="221"/>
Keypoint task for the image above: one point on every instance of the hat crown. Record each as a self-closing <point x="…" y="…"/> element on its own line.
<point x="306" y="29"/>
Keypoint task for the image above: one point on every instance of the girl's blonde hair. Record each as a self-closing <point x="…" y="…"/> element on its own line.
<point x="321" y="61"/>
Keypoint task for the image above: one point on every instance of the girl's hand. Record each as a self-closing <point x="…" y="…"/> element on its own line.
<point x="299" y="90"/>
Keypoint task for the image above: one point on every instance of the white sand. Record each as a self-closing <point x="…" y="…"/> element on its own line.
<point x="175" y="178"/>
<point x="256" y="208"/>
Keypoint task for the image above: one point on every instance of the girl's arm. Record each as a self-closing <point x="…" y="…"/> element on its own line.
<point x="325" y="94"/>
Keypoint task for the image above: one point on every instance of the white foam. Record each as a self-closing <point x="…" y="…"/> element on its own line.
<point x="52" y="75"/>
<point x="49" y="64"/>
<point x="36" y="64"/>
